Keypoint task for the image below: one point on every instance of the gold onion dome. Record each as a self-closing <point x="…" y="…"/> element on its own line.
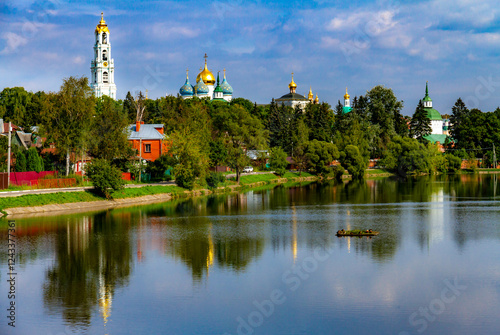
<point x="102" y="26"/>
<point x="292" y="84"/>
<point x="206" y="75"/>
<point x="346" y="96"/>
<point x="310" y="96"/>
<point x="317" y="99"/>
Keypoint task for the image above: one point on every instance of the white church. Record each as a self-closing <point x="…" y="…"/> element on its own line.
<point x="102" y="66"/>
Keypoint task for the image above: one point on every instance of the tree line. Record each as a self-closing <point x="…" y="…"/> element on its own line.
<point x="203" y="134"/>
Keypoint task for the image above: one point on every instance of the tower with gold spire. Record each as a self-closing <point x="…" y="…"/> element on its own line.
<point x="347" y="103"/>
<point x="102" y="67"/>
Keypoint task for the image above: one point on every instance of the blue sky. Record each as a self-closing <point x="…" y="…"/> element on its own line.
<point x="329" y="45"/>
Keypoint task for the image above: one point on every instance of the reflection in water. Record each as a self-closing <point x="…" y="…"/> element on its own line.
<point x="93" y="254"/>
<point x="93" y="257"/>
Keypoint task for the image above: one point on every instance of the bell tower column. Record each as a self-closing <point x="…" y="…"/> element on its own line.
<point x="102" y="67"/>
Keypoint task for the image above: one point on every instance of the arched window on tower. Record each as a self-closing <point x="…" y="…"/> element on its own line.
<point x="105" y="55"/>
<point x="105" y="77"/>
<point x="104" y="38"/>
<point x="95" y="77"/>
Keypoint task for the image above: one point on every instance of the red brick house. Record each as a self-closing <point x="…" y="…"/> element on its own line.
<point x="148" y="140"/>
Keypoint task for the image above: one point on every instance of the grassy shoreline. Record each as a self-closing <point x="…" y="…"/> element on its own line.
<point x="246" y="182"/>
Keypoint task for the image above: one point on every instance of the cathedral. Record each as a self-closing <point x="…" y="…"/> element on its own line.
<point x="293" y="99"/>
<point x="102" y="67"/>
<point x="207" y="87"/>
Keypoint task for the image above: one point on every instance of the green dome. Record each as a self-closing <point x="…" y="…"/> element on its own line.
<point x="433" y="114"/>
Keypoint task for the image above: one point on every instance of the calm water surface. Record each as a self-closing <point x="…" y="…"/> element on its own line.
<point x="268" y="262"/>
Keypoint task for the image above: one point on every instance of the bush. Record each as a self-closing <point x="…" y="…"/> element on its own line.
<point x="158" y="167"/>
<point x="454" y="163"/>
<point x="214" y="179"/>
<point x="184" y="177"/>
<point x="20" y="162"/>
<point x="353" y="161"/>
<point x="105" y="177"/>
<point x="277" y="161"/>
<point x="338" y="172"/>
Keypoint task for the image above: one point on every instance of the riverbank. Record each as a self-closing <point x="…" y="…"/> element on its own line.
<point x="86" y="200"/>
<point x="59" y="203"/>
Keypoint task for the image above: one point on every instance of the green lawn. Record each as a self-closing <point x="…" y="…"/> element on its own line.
<point x="31" y="200"/>
<point x="147" y="190"/>
<point x="376" y="171"/>
<point x="255" y="178"/>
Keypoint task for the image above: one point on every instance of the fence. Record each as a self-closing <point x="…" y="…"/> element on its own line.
<point x="4" y="178"/>
<point x="25" y="178"/>
<point x="53" y="183"/>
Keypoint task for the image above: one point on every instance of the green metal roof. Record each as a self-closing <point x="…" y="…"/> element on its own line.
<point x="346" y="110"/>
<point x="437" y="138"/>
<point x="427" y="98"/>
<point x="433" y="114"/>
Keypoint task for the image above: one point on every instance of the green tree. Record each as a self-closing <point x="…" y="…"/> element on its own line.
<point x="405" y="156"/>
<point x="20" y="161"/>
<point x="33" y="161"/>
<point x="105" y="177"/>
<point x="218" y="153"/>
<point x="66" y="119"/>
<point x="352" y="160"/>
<point x="129" y="107"/>
<point x="458" y="120"/>
<point x="420" y="125"/>
<point x="320" y="120"/>
<point x="277" y="160"/>
<point x="191" y="160"/>
<point x="320" y="155"/>
<point x="240" y="131"/>
<point x="13" y="104"/>
<point x="108" y="140"/>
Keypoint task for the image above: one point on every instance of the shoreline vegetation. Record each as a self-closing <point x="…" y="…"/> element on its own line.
<point x="88" y="200"/>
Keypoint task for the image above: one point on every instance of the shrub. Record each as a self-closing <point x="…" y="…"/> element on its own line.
<point x="277" y="161"/>
<point x="105" y="177"/>
<point x="353" y="161"/>
<point x="184" y="177"/>
<point x="454" y="163"/>
<point x="20" y="162"/>
<point x="214" y="179"/>
<point x="338" y="172"/>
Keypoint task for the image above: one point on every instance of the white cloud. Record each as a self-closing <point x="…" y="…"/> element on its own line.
<point x="13" y="41"/>
<point x="169" y="31"/>
<point x="330" y="42"/>
<point x="78" y="60"/>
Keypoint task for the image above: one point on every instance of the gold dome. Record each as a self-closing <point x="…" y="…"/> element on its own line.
<point x="206" y="75"/>
<point x="102" y="26"/>
<point x="316" y="101"/>
<point x="346" y="96"/>
<point x="292" y="84"/>
<point x="310" y="95"/>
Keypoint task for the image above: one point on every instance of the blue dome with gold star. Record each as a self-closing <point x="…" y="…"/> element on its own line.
<point x="186" y="89"/>
<point x="226" y="88"/>
<point x="201" y="87"/>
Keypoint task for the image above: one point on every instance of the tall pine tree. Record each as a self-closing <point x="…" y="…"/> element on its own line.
<point x="420" y="124"/>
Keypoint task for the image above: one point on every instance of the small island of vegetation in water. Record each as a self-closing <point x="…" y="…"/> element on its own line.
<point x="367" y="232"/>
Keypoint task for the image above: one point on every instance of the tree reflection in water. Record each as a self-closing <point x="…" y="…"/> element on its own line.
<point x="93" y="258"/>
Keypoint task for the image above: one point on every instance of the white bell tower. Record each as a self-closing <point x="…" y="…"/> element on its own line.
<point x="102" y="66"/>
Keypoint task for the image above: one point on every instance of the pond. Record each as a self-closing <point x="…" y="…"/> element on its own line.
<point x="267" y="262"/>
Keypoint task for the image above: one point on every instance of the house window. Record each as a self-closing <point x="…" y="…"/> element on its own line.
<point x="147" y="147"/>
